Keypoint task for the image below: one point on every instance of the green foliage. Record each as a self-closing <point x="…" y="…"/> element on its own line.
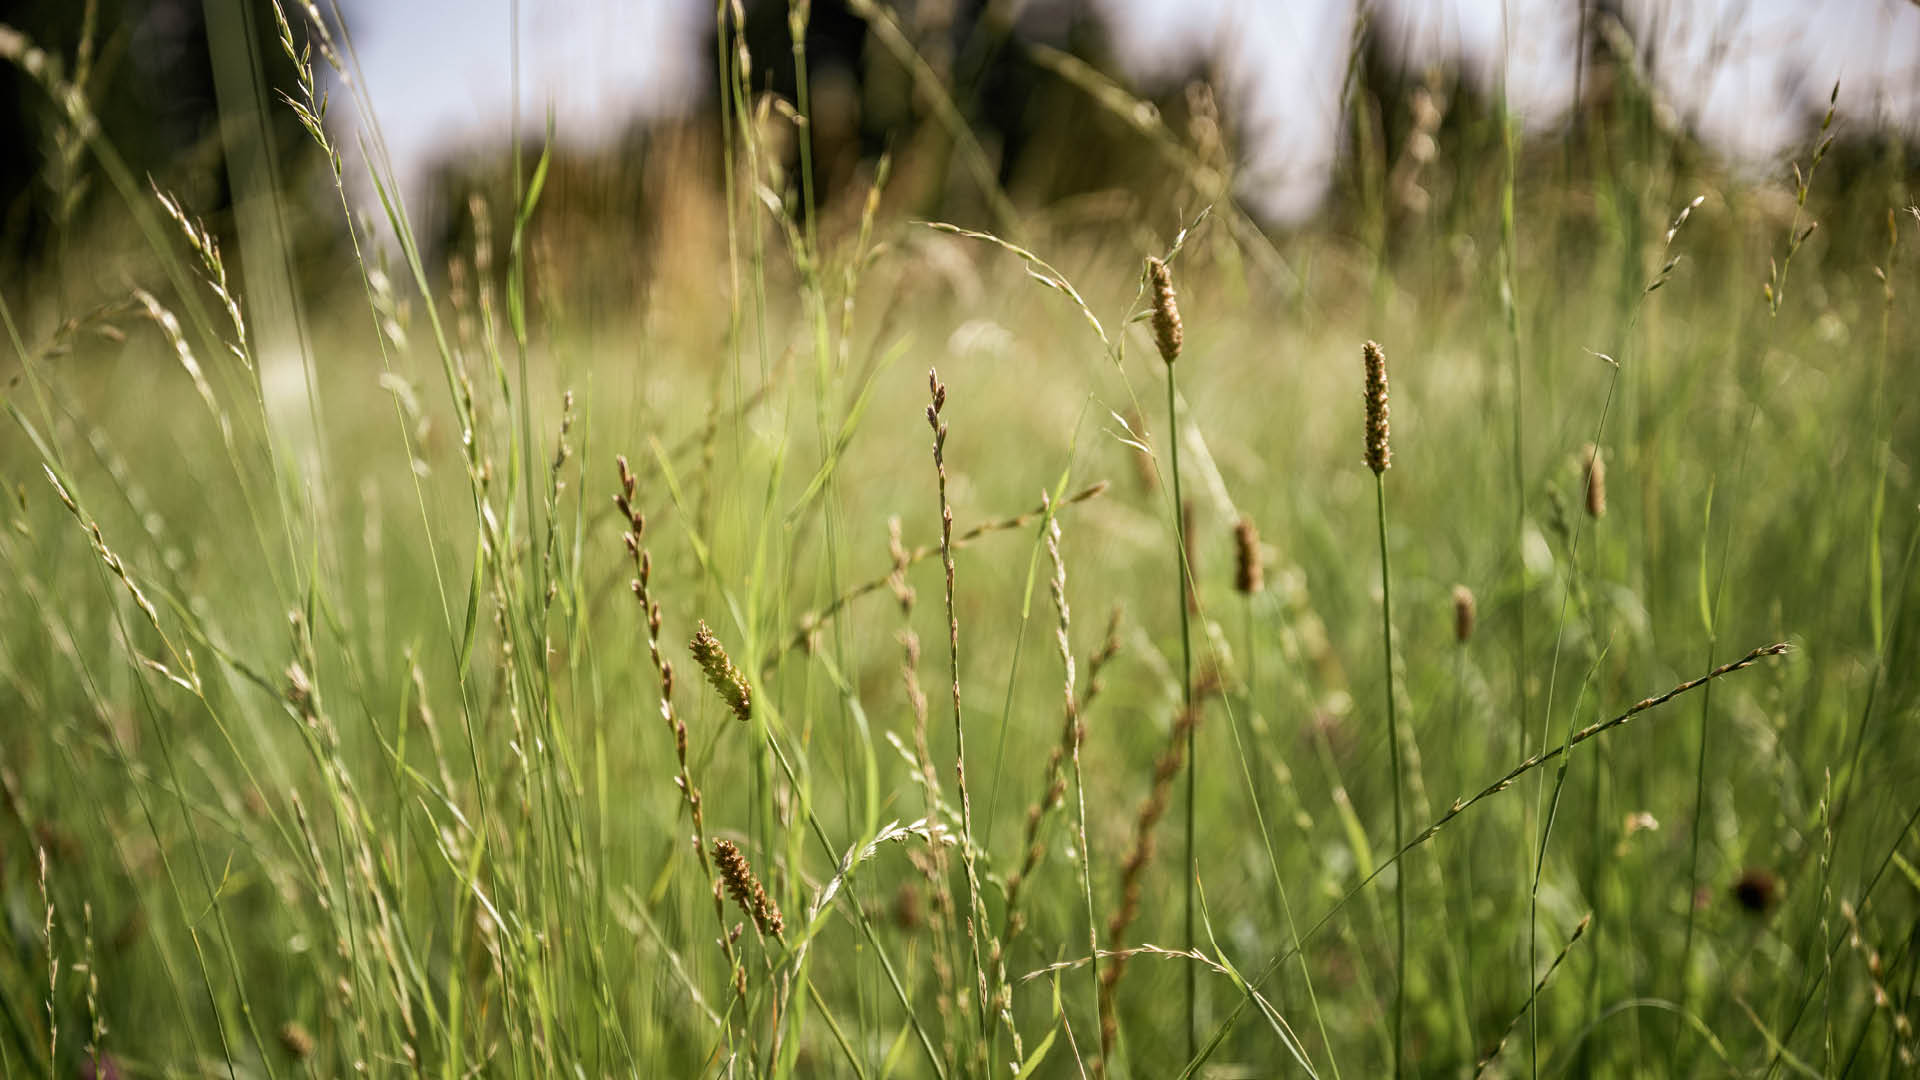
<point x="366" y="753"/>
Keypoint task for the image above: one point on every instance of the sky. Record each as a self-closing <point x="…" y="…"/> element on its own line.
<point x="1748" y="76"/>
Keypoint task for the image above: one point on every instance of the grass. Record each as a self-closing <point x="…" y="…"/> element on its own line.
<point x="437" y="742"/>
<point x="1379" y="457"/>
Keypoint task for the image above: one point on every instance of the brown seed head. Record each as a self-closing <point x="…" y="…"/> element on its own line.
<point x="726" y="679"/>
<point x="745" y="888"/>
<point x="1249" y="577"/>
<point x="296" y="1040"/>
<point x="1379" y="453"/>
<point x="1757" y="890"/>
<point x="1463" y="612"/>
<point x="909" y="912"/>
<point x="1596" y="482"/>
<point x="1166" y="314"/>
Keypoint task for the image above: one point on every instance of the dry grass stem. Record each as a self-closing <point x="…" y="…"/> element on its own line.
<point x="931" y="863"/>
<point x="1098" y="660"/>
<point x="642" y="586"/>
<point x="976" y="905"/>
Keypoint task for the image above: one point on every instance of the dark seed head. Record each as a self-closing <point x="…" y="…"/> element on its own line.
<point x="1249" y="576"/>
<point x="1463" y="613"/>
<point x="1757" y="890"/>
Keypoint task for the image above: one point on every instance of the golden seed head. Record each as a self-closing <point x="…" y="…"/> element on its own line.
<point x="1249" y="577"/>
<point x="1379" y="453"/>
<point x="1596" y="482"/>
<point x="726" y="679"/>
<point x="296" y="1040"/>
<point x="1463" y="612"/>
<point x="1166" y="314"/>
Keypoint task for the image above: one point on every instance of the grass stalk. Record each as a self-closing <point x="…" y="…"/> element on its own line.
<point x="1077" y="724"/>
<point x="976" y="907"/>
<point x="1393" y="740"/>
<point x="1538" y="985"/>
<point x="1463" y="620"/>
<point x="1168" y="333"/>
<point x="1774" y="292"/>
<point x="1379" y="458"/>
<point x="1461" y="806"/>
<point x="260" y="820"/>
<point x="1594" y="482"/>
<point x="1187" y="867"/>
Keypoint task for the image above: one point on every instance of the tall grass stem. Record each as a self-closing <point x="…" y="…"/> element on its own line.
<point x="1187" y="868"/>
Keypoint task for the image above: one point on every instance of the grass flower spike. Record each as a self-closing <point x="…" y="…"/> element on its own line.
<point x="1249" y="576"/>
<point x="746" y="889"/>
<point x="726" y="679"/>
<point x="1463" y="614"/>
<point x="1379" y="453"/>
<point x="1166" y="314"/>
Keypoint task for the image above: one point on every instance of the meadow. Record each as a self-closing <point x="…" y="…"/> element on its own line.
<point x="1472" y="635"/>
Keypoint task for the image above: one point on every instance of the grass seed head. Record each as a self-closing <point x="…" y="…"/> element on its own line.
<point x="1757" y="890"/>
<point x="1166" y="314"/>
<point x="1249" y="577"/>
<point x="1463" y="614"/>
<point x="746" y="889"/>
<point x="727" y="680"/>
<point x="1379" y="453"/>
<point x="296" y="1040"/>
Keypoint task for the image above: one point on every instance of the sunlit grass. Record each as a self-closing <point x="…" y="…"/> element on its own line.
<point x="393" y="751"/>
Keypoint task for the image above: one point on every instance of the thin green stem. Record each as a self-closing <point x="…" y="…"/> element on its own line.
<point x="1266" y="835"/>
<point x="1393" y="757"/>
<point x="1467" y="892"/>
<point x="1569" y="597"/>
<point x="1186" y="700"/>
